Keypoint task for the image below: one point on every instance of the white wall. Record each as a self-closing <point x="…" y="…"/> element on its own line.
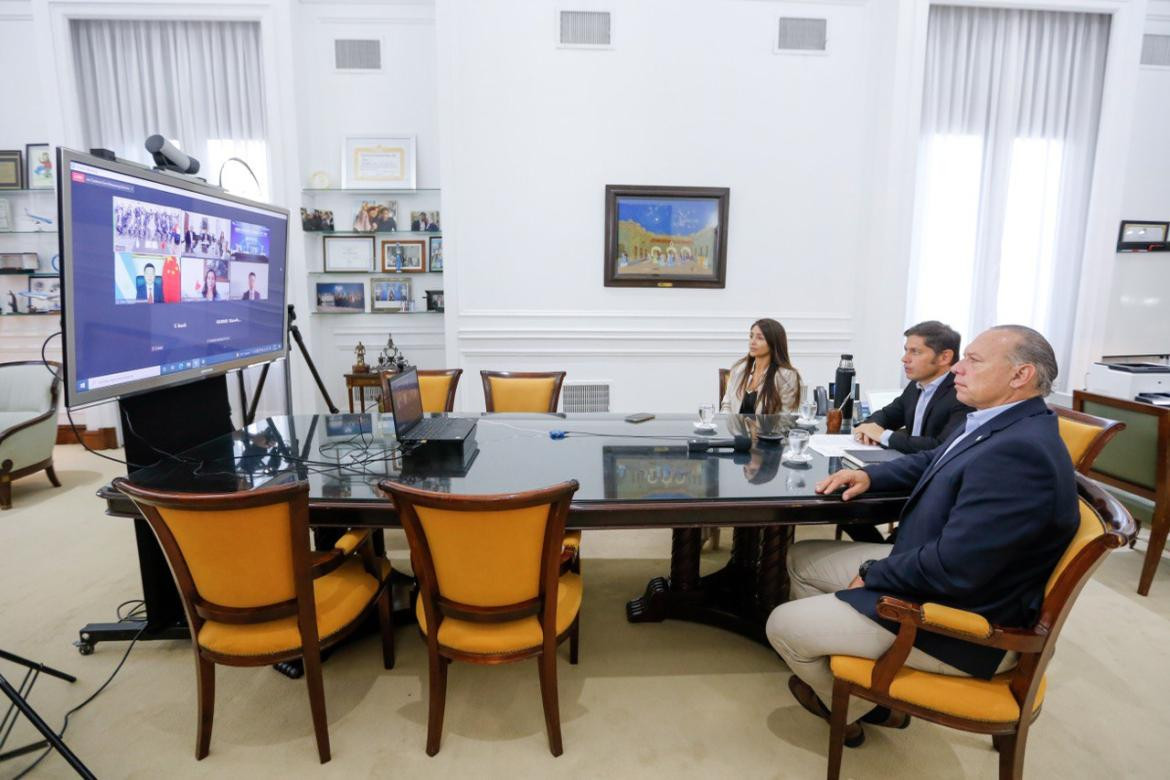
<point x="1138" y="322"/>
<point x="691" y="94"/>
<point x="399" y="100"/>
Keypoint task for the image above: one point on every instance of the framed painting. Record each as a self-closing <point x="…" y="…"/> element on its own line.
<point x="665" y="236"/>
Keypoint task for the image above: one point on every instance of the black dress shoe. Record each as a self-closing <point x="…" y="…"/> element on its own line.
<point x="806" y="697"/>
<point x="886" y="718"/>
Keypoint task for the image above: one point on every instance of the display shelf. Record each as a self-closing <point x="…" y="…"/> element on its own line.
<point x="32" y="232"/>
<point x="17" y="271"/>
<point x="366" y="273"/>
<point x="343" y="191"/>
<point x="358" y="233"/>
<point x="46" y="190"/>
<point x="379" y="313"/>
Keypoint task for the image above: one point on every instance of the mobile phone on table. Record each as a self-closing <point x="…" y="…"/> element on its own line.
<point x="639" y="417"/>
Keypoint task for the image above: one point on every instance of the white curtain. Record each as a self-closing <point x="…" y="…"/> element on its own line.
<point x="1010" y="110"/>
<point x="198" y="83"/>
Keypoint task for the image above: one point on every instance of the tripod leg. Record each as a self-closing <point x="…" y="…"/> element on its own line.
<point x="296" y="334"/>
<point x="251" y="415"/>
<point x="16" y="659"/>
<point x="48" y="733"/>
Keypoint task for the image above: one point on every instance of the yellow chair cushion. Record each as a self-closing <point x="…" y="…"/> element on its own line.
<point x="237" y="558"/>
<point x="521" y="394"/>
<point x="486" y="559"/>
<point x="1077" y="436"/>
<point x="341" y="596"/>
<point x="350" y="541"/>
<point x="510" y="637"/>
<point x="1091" y="528"/>
<point x="434" y="392"/>
<point x="956" y="620"/>
<point x="572" y="540"/>
<point x="990" y="701"/>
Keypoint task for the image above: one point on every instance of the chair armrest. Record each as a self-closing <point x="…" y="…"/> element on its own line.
<point x="30" y="441"/>
<point x="351" y="541"/>
<point x="960" y="624"/>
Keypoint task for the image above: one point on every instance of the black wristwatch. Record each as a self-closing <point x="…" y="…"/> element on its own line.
<point x="863" y="568"/>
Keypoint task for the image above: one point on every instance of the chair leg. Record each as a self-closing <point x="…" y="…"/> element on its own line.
<point x="838" y="533"/>
<point x="386" y="621"/>
<point x="312" y="659"/>
<point x="205" y="685"/>
<point x="837" y="727"/>
<point x="438" y="693"/>
<point x="5" y="493"/>
<point x="1011" y="755"/>
<point x="574" y="639"/>
<point x="548" y="692"/>
<point x="52" y="475"/>
<point x="1159" y="528"/>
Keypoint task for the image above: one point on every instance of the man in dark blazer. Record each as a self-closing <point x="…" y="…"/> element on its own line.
<point x="991" y="510"/>
<point x="149" y="287"/>
<point x="927" y="411"/>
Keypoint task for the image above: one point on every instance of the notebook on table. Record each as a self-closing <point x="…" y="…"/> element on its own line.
<point x="867" y="457"/>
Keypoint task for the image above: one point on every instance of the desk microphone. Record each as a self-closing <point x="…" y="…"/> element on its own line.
<point x="738" y="443"/>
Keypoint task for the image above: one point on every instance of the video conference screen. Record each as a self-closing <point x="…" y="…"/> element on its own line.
<point x="165" y="280"/>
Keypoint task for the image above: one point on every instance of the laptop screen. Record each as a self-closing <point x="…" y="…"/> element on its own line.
<point x="405" y="401"/>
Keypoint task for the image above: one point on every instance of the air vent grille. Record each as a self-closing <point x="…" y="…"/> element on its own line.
<point x="1156" y="50"/>
<point x="354" y="54"/>
<point x="586" y="28"/>
<point x="796" y="34"/>
<point x="585" y="397"/>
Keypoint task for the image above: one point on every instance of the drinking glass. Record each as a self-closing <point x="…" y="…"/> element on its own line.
<point x="808" y="411"/>
<point x="797" y="444"/>
<point x="707" y="415"/>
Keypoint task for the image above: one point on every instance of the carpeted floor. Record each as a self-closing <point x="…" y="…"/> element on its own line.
<point x="645" y="701"/>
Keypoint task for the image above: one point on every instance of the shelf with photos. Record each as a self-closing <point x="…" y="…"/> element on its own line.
<point x="339" y="294"/>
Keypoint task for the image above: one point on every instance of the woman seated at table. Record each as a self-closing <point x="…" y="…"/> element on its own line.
<point x="764" y="381"/>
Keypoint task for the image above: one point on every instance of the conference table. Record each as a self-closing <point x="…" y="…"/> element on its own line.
<point x="630" y="475"/>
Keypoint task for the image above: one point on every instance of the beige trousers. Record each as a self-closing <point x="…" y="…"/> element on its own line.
<point x="815" y="624"/>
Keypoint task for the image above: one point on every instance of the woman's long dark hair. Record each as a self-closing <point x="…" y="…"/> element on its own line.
<point x="770" y="401"/>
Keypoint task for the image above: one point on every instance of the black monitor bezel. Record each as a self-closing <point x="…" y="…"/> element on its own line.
<point x="65" y="157"/>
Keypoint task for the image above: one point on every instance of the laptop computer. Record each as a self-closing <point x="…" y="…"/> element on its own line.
<point x="409" y="423"/>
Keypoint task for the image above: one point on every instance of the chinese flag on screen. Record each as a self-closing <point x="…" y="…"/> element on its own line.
<point x="170" y="280"/>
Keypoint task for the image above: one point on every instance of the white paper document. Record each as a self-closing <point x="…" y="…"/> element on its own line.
<point x="833" y="445"/>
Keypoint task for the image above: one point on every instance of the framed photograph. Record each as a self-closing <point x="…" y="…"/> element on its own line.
<point x="665" y="236"/>
<point x="435" y="300"/>
<point x="348" y="254"/>
<point x="424" y="221"/>
<point x="341" y="297"/>
<point x="378" y="163"/>
<point x="44" y="293"/>
<point x="1143" y="237"/>
<point x="404" y="255"/>
<point x="18" y="262"/>
<point x="11" y="169"/>
<point x="435" y="251"/>
<point x="39" y="171"/>
<point x="376" y="217"/>
<point x="316" y="220"/>
<point x="389" y="294"/>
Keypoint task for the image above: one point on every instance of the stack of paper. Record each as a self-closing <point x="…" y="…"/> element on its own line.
<point x="833" y="445"/>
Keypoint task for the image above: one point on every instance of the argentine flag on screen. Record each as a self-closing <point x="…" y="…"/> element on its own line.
<point x="125" y="278"/>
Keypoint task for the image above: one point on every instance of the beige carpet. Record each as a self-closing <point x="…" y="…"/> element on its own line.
<point x="645" y="701"/>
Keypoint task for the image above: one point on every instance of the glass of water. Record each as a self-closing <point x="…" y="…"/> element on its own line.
<point x="707" y="415"/>
<point x="797" y="451"/>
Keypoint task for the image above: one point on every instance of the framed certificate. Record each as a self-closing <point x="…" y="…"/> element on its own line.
<point x="386" y="163"/>
<point x="348" y="254"/>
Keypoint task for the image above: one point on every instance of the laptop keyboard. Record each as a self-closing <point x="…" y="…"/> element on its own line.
<point x="428" y="428"/>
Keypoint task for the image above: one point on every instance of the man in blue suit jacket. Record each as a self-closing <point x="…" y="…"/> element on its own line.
<point x="991" y="510"/>
<point x="148" y="286"/>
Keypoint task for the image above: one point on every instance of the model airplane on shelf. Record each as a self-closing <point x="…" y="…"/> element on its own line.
<point x="38" y="219"/>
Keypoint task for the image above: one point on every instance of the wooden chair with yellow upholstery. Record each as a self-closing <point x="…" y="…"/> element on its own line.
<point x="993" y="706"/>
<point x="490" y="587"/>
<point x="254" y="592"/>
<point x="1085" y="435"/>
<point x="529" y="391"/>
<point x="437" y="387"/>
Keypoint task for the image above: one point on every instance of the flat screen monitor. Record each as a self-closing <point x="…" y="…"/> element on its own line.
<point x="165" y="280"/>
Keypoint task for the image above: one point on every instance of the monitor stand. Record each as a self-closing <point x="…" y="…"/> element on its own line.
<point x="173" y="419"/>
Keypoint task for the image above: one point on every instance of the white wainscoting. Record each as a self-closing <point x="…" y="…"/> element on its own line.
<point x="655" y="361"/>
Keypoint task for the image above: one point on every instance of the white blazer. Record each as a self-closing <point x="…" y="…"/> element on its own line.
<point x="787" y="382"/>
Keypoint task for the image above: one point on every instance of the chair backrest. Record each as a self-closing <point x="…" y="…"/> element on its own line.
<point x="1138" y="458"/>
<point x="1085" y="435"/>
<point x="438" y="388"/>
<point x="522" y="391"/>
<point x="236" y="557"/>
<point x="29" y="386"/>
<point x="723" y="374"/>
<point x="1104" y="525"/>
<point x="485" y="558"/>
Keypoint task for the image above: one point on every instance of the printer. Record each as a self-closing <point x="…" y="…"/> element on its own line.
<point x="1128" y="380"/>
